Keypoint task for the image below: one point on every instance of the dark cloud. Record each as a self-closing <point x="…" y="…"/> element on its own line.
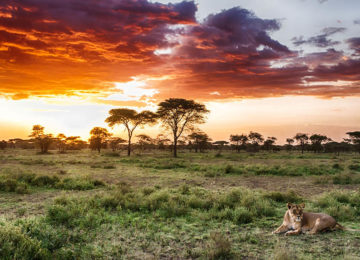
<point x="320" y="40"/>
<point x="354" y="44"/>
<point x="357" y="21"/>
<point x="77" y="47"/>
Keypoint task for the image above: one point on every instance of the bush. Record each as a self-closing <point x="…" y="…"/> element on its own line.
<point x="354" y="167"/>
<point x="45" y="180"/>
<point x="289" y="196"/>
<point x="22" y="188"/>
<point x="242" y="215"/>
<point x="343" y="206"/>
<point x="219" y="247"/>
<point x="16" y="245"/>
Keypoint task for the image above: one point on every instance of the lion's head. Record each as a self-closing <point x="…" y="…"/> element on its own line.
<point x="296" y="211"/>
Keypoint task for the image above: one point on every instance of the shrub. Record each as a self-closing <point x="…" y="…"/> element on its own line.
<point x="45" y="180"/>
<point x="242" y="215"/>
<point x="289" y="196"/>
<point x="354" y="167"/>
<point x="219" y="247"/>
<point x="22" y="188"/>
<point x="8" y="185"/>
<point x="16" y="245"/>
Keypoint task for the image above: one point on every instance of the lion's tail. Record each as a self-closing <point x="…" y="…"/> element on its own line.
<point x="337" y="225"/>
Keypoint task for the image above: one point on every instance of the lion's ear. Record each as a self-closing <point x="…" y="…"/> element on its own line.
<point x="289" y="205"/>
<point x="302" y="205"/>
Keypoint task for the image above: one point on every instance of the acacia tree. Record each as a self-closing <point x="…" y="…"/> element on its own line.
<point x="179" y="115"/>
<point x="130" y="119"/>
<point x="317" y="140"/>
<point x="220" y="145"/>
<point x="115" y="141"/>
<point x="355" y="139"/>
<point x="239" y="141"/>
<point x="98" y="136"/>
<point x="43" y="140"/>
<point x="200" y="140"/>
<point x="144" y="141"/>
<point x="289" y="141"/>
<point x="302" y="139"/>
<point x="269" y="143"/>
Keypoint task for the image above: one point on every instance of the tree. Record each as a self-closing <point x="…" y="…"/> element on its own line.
<point x="115" y="141"/>
<point x="269" y="143"/>
<point x="290" y="142"/>
<point x="162" y="141"/>
<point x="3" y="145"/>
<point x="61" y="142"/>
<point x="179" y="115"/>
<point x="200" y="140"/>
<point x="302" y="139"/>
<point x="98" y="137"/>
<point x="256" y="139"/>
<point x="317" y="140"/>
<point x="43" y="140"/>
<point x="144" y="141"/>
<point x="355" y="139"/>
<point x="130" y="119"/>
<point x="239" y="141"/>
<point x="220" y="145"/>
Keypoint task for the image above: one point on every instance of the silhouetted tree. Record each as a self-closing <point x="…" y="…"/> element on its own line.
<point x="289" y="142"/>
<point x="130" y="119"/>
<point x="162" y="141"/>
<point x="98" y="137"/>
<point x="42" y="140"/>
<point x="144" y="141"/>
<point x="302" y="140"/>
<point x="114" y="143"/>
<point x="256" y="139"/>
<point x="179" y="115"/>
<point x="239" y="141"/>
<point x="220" y="145"/>
<point x="316" y="142"/>
<point x="200" y="140"/>
<point x="3" y="145"/>
<point x="269" y="143"/>
<point x="355" y="139"/>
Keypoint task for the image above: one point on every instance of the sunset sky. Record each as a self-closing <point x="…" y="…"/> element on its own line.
<point x="273" y="66"/>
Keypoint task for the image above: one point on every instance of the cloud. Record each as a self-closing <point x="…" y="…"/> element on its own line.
<point x="321" y="40"/>
<point x="354" y="44"/>
<point x="82" y="48"/>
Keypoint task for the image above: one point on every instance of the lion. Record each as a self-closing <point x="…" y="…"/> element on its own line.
<point x="296" y="221"/>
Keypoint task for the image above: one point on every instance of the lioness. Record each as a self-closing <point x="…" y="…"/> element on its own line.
<point x="297" y="221"/>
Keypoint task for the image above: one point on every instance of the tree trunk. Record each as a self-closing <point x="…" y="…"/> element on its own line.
<point x="175" y="146"/>
<point x="129" y="148"/>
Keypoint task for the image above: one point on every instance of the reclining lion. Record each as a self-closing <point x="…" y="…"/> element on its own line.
<point x="297" y="221"/>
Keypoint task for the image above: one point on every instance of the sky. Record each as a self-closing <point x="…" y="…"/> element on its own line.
<point x="277" y="66"/>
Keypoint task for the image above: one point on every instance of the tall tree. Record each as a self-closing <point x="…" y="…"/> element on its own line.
<point x="130" y="119"/>
<point x="239" y="141"/>
<point x="302" y="140"/>
<point x="355" y="139"/>
<point x="98" y="137"/>
<point x="43" y="140"/>
<point x="179" y="115"/>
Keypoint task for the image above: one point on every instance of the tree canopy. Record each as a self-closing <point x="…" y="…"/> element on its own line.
<point x="179" y="115"/>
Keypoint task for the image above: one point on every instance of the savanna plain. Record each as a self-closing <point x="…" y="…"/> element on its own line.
<point x="89" y="205"/>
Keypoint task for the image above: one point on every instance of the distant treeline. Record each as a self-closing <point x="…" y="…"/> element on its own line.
<point x="177" y="117"/>
<point x="194" y="142"/>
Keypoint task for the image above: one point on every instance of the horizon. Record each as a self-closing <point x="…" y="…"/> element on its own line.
<point x="275" y="68"/>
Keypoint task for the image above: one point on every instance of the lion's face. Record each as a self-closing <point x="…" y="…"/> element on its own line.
<point x="296" y="211"/>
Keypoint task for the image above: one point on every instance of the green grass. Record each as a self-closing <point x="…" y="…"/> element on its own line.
<point x="84" y="205"/>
